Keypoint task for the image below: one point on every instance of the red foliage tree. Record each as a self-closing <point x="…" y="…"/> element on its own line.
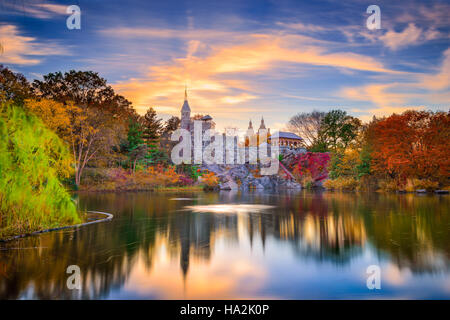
<point x="412" y="144"/>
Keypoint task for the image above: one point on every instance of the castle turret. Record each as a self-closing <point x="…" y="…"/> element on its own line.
<point x="262" y="125"/>
<point x="185" y="113"/>
<point x="250" y="131"/>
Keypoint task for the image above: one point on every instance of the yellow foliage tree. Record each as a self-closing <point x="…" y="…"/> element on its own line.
<point x="83" y="129"/>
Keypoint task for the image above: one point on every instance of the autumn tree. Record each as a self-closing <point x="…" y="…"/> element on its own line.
<point x="98" y="116"/>
<point x="307" y="126"/>
<point x="13" y="87"/>
<point x="171" y="125"/>
<point x="79" y="127"/>
<point x="87" y="90"/>
<point x="412" y="144"/>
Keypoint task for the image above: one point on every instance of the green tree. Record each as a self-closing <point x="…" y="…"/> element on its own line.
<point x="152" y="126"/>
<point x="136" y="148"/>
<point x="339" y="130"/>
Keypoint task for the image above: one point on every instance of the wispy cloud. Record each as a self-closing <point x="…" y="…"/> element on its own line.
<point x="22" y="50"/>
<point x="398" y="96"/>
<point x="214" y="70"/>
<point x="411" y="35"/>
<point x="34" y="9"/>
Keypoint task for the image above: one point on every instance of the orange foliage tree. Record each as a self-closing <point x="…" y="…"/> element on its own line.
<point x="86" y="131"/>
<point x="414" y="144"/>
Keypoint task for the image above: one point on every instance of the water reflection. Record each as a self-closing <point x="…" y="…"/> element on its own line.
<point x="233" y="245"/>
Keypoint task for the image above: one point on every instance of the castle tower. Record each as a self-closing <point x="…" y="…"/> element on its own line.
<point x="262" y="125"/>
<point x="185" y="113"/>
<point x="250" y="131"/>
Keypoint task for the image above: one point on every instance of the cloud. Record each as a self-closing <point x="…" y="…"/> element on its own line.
<point x="439" y="80"/>
<point x="36" y="10"/>
<point x="220" y="74"/>
<point x="433" y="16"/>
<point x="23" y="50"/>
<point x="411" y="35"/>
<point x="399" y="96"/>
<point x="297" y="26"/>
<point x="395" y="40"/>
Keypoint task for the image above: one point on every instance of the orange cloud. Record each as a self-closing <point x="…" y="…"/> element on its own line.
<point x="213" y="71"/>
<point x="17" y="49"/>
<point x="399" y="96"/>
<point x="440" y="80"/>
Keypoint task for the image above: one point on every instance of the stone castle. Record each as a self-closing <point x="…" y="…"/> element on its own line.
<point x="233" y="151"/>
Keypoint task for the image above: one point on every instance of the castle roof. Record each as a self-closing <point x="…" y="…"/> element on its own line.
<point x="262" y="125"/>
<point x="207" y="117"/>
<point x="185" y="107"/>
<point x="286" y="135"/>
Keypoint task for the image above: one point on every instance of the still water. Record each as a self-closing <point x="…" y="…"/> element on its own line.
<point x="227" y="245"/>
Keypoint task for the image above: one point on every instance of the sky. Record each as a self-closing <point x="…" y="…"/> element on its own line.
<point x="242" y="60"/>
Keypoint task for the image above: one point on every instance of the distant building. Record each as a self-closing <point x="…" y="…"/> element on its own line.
<point x="288" y="139"/>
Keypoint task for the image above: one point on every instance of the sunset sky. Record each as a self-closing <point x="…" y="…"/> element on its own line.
<point x="242" y="59"/>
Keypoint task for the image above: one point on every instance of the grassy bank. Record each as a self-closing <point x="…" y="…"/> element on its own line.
<point x="384" y="185"/>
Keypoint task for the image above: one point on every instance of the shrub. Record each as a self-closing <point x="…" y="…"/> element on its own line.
<point x="416" y="184"/>
<point x="342" y="183"/>
<point x="310" y="166"/>
<point x="389" y="185"/>
<point x="209" y="179"/>
<point x="185" y="180"/>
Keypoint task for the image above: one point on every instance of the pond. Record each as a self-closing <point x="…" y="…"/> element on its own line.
<point x="289" y="245"/>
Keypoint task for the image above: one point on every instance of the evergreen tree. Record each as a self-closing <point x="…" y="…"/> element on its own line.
<point x="152" y="126"/>
<point x="136" y="148"/>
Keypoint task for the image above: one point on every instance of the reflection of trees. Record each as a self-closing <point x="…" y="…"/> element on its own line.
<point x="326" y="227"/>
<point x="413" y="230"/>
<point x="314" y="225"/>
<point x="105" y="253"/>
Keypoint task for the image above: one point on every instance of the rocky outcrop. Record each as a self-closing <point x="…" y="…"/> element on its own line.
<point x="290" y="154"/>
<point x="244" y="177"/>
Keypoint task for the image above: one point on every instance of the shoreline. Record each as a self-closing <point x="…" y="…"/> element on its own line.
<point x="109" y="217"/>
<point x="314" y="190"/>
<point x="155" y="190"/>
